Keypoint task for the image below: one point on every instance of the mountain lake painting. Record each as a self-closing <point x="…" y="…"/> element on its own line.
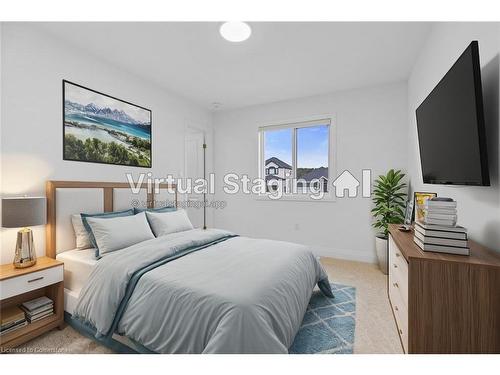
<point x="101" y="129"/>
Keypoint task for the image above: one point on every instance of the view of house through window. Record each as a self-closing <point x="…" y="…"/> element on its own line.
<point x="296" y="156"/>
<point x="278" y="156"/>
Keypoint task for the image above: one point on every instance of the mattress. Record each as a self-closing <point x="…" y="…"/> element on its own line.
<point x="77" y="267"/>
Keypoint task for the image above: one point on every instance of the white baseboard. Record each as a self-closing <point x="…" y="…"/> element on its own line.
<point x="358" y="256"/>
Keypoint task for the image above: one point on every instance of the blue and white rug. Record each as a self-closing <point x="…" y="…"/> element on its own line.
<point x="328" y="325"/>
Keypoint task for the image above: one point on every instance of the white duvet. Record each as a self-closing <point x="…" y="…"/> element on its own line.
<point x="240" y="295"/>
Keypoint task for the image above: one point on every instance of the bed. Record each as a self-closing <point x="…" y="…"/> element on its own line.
<point x="78" y="265"/>
<point x="195" y="291"/>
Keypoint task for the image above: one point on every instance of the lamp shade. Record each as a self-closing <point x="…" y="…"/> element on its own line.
<point x="23" y="212"/>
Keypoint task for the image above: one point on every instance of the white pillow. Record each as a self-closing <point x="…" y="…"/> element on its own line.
<point x="82" y="236"/>
<point x="116" y="233"/>
<point x="164" y="223"/>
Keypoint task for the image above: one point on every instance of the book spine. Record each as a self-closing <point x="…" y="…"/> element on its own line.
<point x="444" y="211"/>
<point x="428" y="240"/>
<point x="39" y="310"/>
<point x="12" y="319"/>
<point x="441" y="216"/>
<point x="35" y="319"/>
<point x="442" y="249"/>
<point x="33" y="307"/>
<point x="442" y="234"/>
<point x="445" y="223"/>
<point x="440" y="228"/>
<point x="12" y="324"/>
<point x="40" y="314"/>
<point x="37" y="303"/>
<point x="15" y="328"/>
<point x="440" y="204"/>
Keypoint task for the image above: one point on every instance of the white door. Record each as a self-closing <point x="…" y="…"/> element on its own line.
<point x="193" y="162"/>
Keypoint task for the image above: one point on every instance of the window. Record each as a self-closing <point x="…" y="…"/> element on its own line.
<point x="297" y="156"/>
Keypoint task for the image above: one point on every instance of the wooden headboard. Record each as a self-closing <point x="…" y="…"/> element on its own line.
<point x="107" y="188"/>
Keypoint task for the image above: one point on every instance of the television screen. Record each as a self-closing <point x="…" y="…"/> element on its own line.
<point x="450" y="123"/>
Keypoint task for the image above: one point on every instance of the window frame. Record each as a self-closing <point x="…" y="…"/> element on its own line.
<point x="303" y="122"/>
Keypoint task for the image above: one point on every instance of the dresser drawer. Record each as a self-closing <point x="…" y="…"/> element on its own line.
<point x="399" y="307"/>
<point x="398" y="272"/>
<point x="396" y="257"/>
<point x="398" y="290"/>
<point x="34" y="280"/>
<point x="400" y="310"/>
<point x="400" y="315"/>
<point x="398" y="280"/>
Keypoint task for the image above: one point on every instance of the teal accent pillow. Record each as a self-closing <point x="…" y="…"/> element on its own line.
<point x="159" y="209"/>
<point x="104" y="215"/>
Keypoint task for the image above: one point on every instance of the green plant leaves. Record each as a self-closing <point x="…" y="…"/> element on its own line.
<point x="389" y="199"/>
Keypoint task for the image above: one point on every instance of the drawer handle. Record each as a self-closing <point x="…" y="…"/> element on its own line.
<point x="396" y="308"/>
<point x="37" y="279"/>
<point x="398" y="255"/>
<point x="400" y="331"/>
<point x="395" y="266"/>
<point x="395" y="285"/>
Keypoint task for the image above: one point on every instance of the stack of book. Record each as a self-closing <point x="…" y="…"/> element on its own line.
<point x="12" y="318"/>
<point x="442" y="239"/>
<point x="438" y="230"/>
<point x="38" y="308"/>
<point x="440" y="212"/>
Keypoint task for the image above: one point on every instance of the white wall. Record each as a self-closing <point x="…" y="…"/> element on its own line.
<point x="478" y="207"/>
<point x="1" y="29"/>
<point x="33" y="66"/>
<point x="371" y="134"/>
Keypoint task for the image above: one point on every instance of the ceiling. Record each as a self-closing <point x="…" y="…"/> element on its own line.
<point x="280" y="61"/>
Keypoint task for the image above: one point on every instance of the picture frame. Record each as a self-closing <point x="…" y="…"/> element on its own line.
<point x="100" y="128"/>
<point x="419" y="198"/>
<point x="409" y="212"/>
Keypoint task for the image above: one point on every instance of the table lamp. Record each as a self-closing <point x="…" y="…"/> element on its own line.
<point x="22" y="212"/>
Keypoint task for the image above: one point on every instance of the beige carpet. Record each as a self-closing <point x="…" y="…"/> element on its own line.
<point x="375" y="328"/>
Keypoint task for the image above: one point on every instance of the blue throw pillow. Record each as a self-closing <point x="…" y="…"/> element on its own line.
<point x="159" y="209"/>
<point x="104" y="215"/>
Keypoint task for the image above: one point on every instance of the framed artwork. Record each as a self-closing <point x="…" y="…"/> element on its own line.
<point x="419" y="199"/>
<point x="99" y="128"/>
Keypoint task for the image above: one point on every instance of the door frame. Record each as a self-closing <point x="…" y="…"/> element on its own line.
<point x="193" y="129"/>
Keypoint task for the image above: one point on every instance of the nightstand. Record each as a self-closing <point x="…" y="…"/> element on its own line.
<point x="18" y="285"/>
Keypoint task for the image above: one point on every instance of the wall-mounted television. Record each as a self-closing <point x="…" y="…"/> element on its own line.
<point x="451" y="130"/>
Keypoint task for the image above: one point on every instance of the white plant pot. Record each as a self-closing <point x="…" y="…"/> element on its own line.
<point x="382" y="250"/>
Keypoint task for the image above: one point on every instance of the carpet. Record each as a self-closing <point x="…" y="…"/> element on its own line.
<point x="329" y="323"/>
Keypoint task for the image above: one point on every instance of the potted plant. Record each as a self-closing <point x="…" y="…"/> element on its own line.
<point x="389" y="208"/>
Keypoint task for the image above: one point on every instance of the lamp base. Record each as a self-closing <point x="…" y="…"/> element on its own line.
<point x="25" y="249"/>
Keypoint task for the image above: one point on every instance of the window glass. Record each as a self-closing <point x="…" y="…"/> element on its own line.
<point x="312" y="154"/>
<point x="297" y="154"/>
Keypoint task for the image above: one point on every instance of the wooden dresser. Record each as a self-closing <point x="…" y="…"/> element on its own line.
<point x="444" y="303"/>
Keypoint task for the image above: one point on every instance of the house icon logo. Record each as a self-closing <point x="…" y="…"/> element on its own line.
<point x="346" y="181"/>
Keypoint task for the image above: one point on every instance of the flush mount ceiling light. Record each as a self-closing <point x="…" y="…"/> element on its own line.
<point x="235" y="31"/>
